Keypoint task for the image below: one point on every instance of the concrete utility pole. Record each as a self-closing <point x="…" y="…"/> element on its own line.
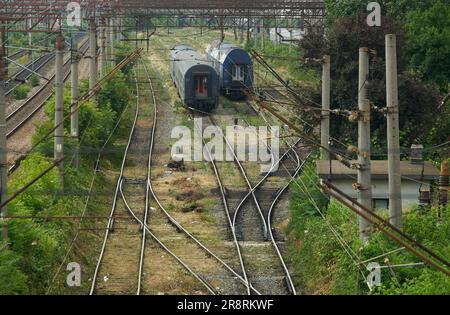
<point x="121" y="37"/>
<point x="93" y="53"/>
<point x="444" y="183"/>
<point x="263" y="35"/>
<point x="325" y="124"/>
<point x="118" y="29"/>
<point x="364" y="173"/>
<point x="75" y="58"/>
<point x="102" y="39"/>
<point x="395" y="180"/>
<point x="107" y="37"/>
<point x="291" y="38"/>
<point x="3" y="148"/>
<point x="113" y="39"/>
<point x="59" y="106"/>
<point x="222" y="32"/>
<point x="248" y="27"/>
<point x="30" y="38"/>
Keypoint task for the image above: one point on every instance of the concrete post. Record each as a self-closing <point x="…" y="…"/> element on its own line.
<point x="107" y="40"/>
<point x="222" y="32"/>
<point x="3" y="148"/>
<point x="290" y="40"/>
<point x="59" y="105"/>
<point x="74" y="99"/>
<point x="118" y="29"/>
<point x="263" y="35"/>
<point x="325" y="124"/>
<point x="119" y="33"/>
<point x="93" y="53"/>
<point x="255" y="32"/>
<point x="30" y="38"/>
<point x="102" y="59"/>
<point x="395" y="180"/>
<point x="113" y="39"/>
<point x="364" y="173"/>
<point x="444" y="183"/>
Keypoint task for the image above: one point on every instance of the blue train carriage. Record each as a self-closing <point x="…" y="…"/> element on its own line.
<point x="234" y="66"/>
<point x="195" y="79"/>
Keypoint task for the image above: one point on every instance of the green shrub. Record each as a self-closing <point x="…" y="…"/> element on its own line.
<point x="322" y="266"/>
<point x="13" y="280"/>
<point x="34" y="80"/>
<point x="21" y="92"/>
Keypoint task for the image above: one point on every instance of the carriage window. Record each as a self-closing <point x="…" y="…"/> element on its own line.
<point x="238" y="73"/>
<point x="201" y="86"/>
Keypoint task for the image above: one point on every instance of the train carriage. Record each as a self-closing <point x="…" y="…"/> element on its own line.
<point x="194" y="77"/>
<point x="234" y="67"/>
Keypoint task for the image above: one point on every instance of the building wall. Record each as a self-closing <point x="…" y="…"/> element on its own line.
<point x="297" y="34"/>
<point x="380" y="190"/>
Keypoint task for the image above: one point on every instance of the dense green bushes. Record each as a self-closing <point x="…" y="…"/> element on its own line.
<point x="21" y="92"/>
<point x="428" y="32"/>
<point x="34" y="80"/>
<point x="36" y="245"/>
<point x="323" y="266"/>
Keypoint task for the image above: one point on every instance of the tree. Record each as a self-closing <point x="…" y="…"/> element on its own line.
<point x="429" y="43"/>
<point x="396" y="9"/>
<point x="418" y="102"/>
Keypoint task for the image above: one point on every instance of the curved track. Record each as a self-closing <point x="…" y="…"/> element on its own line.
<point x="25" y="111"/>
<point x="141" y="217"/>
<point x="265" y="206"/>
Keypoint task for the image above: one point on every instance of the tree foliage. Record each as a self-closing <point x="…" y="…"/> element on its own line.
<point x="418" y="102"/>
<point x="325" y="264"/>
<point x="429" y="43"/>
<point x="397" y="9"/>
<point x="37" y="244"/>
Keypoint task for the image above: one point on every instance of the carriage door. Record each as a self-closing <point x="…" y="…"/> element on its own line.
<point x="201" y="86"/>
<point x="238" y="73"/>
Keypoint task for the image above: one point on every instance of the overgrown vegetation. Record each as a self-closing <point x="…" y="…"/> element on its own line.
<point x="34" y="80"/>
<point x="36" y="245"/>
<point x="323" y="265"/>
<point x="423" y="37"/>
<point x="21" y="92"/>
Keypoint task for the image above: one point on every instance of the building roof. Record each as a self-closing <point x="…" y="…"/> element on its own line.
<point x="379" y="170"/>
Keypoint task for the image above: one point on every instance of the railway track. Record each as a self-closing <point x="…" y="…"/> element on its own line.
<point x="34" y="66"/>
<point x="171" y="242"/>
<point x="25" y="74"/>
<point x="246" y="221"/>
<point x="25" y="111"/>
<point x="250" y="214"/>
<point x="17" y="54"/>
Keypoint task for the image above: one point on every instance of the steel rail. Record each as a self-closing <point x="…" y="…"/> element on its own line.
<point x="41" y="62"/>
<point x="116" y="194"/>
<point x="251" y="192"/>
<point x="247" y="180"/>
<point x="161" y="244"/>
<point x="179" y="227"/>
<point x="227" y="211"/>
<point x="291" y="148"/>
<point x="119" y="189"/>
<point x="32" y="98"/>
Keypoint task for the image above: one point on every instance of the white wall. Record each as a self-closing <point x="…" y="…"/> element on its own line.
<point x="297" y="34"/>
<point x="380" y="190"/>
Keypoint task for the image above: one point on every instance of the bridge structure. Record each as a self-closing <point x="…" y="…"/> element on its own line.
<point x="50" y="15"/>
